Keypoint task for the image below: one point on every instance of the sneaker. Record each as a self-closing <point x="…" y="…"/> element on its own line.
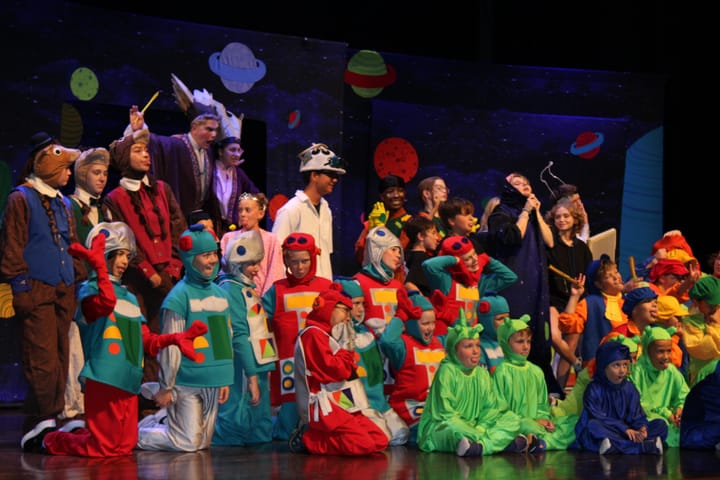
<point x="32" y="441"/>
<point x="605" y="446"/>
<point x="149" y="389"/>
<point x="466" y="448"/>
<point x="519" y="445"/>
<point x="295" y="443"/>
<point x="462" y="447"/>
<point x="653" y="447"/>
<point x="537" y="445"/>
<point x="72" y="425"/>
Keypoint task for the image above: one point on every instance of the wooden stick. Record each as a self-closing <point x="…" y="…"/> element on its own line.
<point x="564" y="275"/>
<point x="152" y="99"/>
<point x="631" y="261"/>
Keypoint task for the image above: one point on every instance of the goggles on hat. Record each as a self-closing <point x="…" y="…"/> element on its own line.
<point x="335" y="162"/>
<point x="300" y="240"/>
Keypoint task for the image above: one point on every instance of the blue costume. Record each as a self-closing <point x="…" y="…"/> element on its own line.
<point x="700" y="424"/>
<point x="610" y="409"/>
<point x="526" y="256"/>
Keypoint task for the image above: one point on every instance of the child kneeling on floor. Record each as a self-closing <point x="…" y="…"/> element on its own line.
<point x="330" y="396"/>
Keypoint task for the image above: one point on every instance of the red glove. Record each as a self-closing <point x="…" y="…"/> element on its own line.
<point x="406" y="309"/>
<point x="483" y="260"/>
<point x="104" y="302"/>
<point x="183" y="340"/>
<point x="446" y="309"/>
<point x="95" y="257"/>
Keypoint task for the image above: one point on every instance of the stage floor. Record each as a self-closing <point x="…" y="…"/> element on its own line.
<point x="274" y="461"/>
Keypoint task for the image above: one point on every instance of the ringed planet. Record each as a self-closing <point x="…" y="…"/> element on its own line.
<point x="587" y="144"/>
<point x="237" y="67"/>
<point x="367" y="73"/>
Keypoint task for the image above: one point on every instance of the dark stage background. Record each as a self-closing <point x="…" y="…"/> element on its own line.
<point x="481" y="90"/>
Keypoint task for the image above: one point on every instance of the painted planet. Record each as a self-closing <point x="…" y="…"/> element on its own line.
<point x="367" y="73"/>
<point x="6" y="298"/>
<point x="294" y="119"/>
<point x="275" y="203"/>
<point x="84" y="84"/>
<point x="587" y="144"/>
<point x="237" y="67"/>
<point x="71" y="126"/>
<point x="396" y="156"/>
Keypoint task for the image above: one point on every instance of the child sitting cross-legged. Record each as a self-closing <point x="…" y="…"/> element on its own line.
<point x="463" y="413"/>
<point x="662" y="387"/>
<point x="522" y="385"/>
<point x="612" y="418"/>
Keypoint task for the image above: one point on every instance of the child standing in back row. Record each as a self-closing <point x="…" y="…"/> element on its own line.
<point x="287" y="304"/>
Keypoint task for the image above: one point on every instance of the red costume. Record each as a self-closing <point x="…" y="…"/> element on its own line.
<point x="336" y="425"/>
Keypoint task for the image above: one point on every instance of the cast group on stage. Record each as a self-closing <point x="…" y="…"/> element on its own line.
<point x="158" y="314"/>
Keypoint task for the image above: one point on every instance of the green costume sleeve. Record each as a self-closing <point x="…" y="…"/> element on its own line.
<point x="573" y="402"/>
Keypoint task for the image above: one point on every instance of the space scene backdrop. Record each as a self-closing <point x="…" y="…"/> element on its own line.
<point x="76" y="70"/>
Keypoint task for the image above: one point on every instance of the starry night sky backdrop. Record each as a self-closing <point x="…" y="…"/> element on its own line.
<point x="469" y="122"/>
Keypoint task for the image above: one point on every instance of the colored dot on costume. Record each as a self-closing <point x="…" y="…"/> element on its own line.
<point x="186" y="243"/>
<point x="114" y="348"/>
<point x="455" y="245"/>
<point x="287" y="367"/>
